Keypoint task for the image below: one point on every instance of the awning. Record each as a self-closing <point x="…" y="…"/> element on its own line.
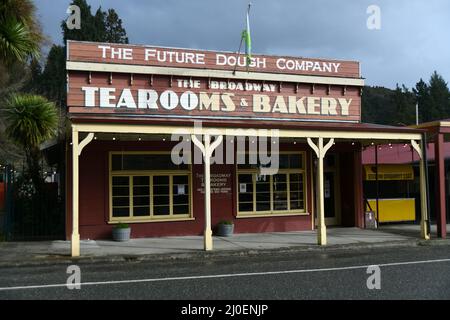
<point x="389" y="172"/>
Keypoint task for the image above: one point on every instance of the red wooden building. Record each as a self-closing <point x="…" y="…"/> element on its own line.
<point x="273" y="146"/>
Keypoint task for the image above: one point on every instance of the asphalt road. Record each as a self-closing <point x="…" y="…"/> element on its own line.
<point x="405" y="273"/>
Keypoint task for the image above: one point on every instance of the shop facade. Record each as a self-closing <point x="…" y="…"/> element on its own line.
<point x="402" y="162"/>
<point x="172" y="141"/>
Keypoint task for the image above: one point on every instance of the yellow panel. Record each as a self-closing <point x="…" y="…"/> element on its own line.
<point x="392" y="210"/>
<point x="389" y="172"/>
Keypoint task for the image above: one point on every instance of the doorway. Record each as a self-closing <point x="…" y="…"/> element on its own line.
<point x="332" y="194"/>
<point x="331" y="190"/>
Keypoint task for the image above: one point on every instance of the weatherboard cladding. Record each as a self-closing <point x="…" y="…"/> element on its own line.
<point x="93" y="52"/>
<point x="125" y="94"/>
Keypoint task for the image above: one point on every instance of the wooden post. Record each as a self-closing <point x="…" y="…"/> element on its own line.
<point x="322" y="229"/>
<point x="208" y="243"/>
<point x="320" y="151"/>
<point x="424" y="231"/>
<point x="77" y="147"/>
<point x="207" y="149"/>
<point x="440" y="186"/>
<point x="75" y="240"/>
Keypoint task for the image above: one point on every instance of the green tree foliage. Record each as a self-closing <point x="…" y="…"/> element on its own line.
<point x="103" y="26"/>
<point x="377" y="105"/>
<point x="422" y="93"/>
<point x="53" y="79"/>
<point x="439" y="97"/>
<point x="48" y="79"/>
<point x="115" y="33"/>
<point x="397" y="107"/>
<point x="33" y="82"/>
<point x="20" y="40"/>
<point x="433" y="98"/>
<point x="92" y="26"/>
<point x="20" y="33"/>
<point x="30" y="120"/>
<point x="405" y="106"/>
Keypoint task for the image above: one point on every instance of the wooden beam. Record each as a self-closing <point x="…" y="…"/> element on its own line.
<point x="320" y="151"/>
<point x="425" y="233"/>
<point x="207" y="148"/>
<point x="440" y="193"/>
<point x="75" y="239"/>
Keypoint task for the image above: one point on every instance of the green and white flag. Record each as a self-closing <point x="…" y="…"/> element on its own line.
<point x="248" y="40"/>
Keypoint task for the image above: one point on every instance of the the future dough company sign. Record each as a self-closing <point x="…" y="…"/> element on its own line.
<point x="172" y="95"/>
<point x="188" y="58"/>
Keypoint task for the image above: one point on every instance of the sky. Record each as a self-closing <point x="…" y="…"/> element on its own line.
<point x="413" y="39"/>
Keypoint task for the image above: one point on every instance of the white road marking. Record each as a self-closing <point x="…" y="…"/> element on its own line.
<point x="226" y="275"/>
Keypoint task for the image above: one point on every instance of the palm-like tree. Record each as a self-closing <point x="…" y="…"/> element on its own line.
<point x="30" y="120"/>
<point x="20" y="34"/>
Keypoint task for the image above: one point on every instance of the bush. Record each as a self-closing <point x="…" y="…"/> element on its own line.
<point x="228" y="222"/>
<point x="121" y="225"/>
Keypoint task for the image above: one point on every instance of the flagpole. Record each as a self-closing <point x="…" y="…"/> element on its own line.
<point x="248" y="29"/>
<point x="240" y="44"/>
<point x="239" y="53"/>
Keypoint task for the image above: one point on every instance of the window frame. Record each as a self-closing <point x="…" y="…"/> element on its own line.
<point x="273" y="213"/>
<point x="151" y="174"/>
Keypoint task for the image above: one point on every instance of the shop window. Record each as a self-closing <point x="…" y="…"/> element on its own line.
<point x="272" y="194"/>
<point x="121" y="196"/>
<point x="180" y="193"/>
<point x="280" y="190"/>
<point x="262" y="193"/>
<point x="296" y="192"/>
<point x="140" y="194"/>
<point x="286" y="161"/>
<point x="161" y="195"/>
<point x="152" y="162"/>
<point x="245" y="192"/>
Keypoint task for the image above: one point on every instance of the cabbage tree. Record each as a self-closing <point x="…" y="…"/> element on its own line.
<point x="30" y="120"/>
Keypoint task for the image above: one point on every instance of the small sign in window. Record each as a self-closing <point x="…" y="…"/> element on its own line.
<point x="181" y="189"/>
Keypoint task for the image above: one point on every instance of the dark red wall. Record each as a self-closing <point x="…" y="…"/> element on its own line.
<point x="347" y="189"/>
<point x="351" y="186"/>
<point x="94" y="198"/>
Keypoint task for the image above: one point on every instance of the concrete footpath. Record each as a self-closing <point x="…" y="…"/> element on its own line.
<point x="55" y="252"/>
